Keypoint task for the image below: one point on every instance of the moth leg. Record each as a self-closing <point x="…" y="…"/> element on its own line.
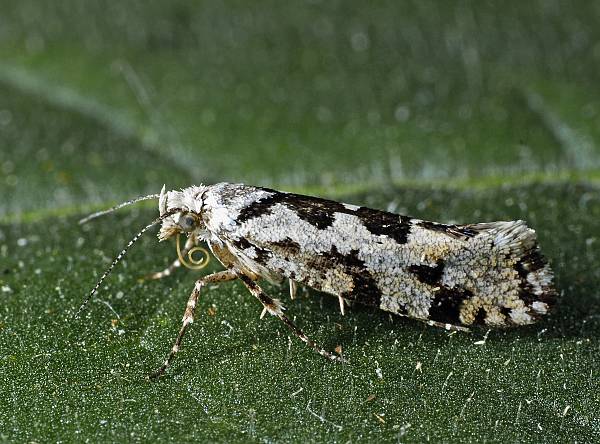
<point x="445" y="326"/>
<point x="274" y="307"/>
<point x="188" y="316"/>
<point x="189" y="243"/>
<point x="293" y="289"/>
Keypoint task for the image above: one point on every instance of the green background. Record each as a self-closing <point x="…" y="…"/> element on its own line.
<point x="455" y="111"/>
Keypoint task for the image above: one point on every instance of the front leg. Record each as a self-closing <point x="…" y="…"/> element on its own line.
<point x="274" y="307"/>
<point x="188" y="316"/>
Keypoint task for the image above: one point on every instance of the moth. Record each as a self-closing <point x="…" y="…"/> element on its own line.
<point x="449" y="276"/>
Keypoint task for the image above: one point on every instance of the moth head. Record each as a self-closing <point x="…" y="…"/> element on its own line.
<point x="179" y="213"/>
<point x="185" y="222"/>
<point x="189" y="219"/>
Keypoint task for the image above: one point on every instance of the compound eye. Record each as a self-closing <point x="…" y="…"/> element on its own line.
<point x="187" y="222"/>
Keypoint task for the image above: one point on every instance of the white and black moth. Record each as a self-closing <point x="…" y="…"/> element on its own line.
<point x="450" y="276"/>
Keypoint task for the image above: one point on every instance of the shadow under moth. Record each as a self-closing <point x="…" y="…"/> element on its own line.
<point x="449" y="276"/>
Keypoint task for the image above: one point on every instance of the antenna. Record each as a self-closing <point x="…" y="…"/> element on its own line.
<point x="122" y="254"/>
<point x="116" y="207"/>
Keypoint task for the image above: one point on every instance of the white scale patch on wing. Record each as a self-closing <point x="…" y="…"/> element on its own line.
<point x="222" y="215"/>
<point x="540" y="307"/>
<point x="520" y="316"/>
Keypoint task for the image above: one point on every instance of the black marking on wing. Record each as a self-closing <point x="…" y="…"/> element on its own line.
<point x="316" y="211"/>
<point x="287" y="246"/>
<point x="533" y="262"/>
<point x="506" y="312"/>
<point x="452" y="230"/>
<point x="242" y="243"/>
<point x="446" y="303"/>
<point x="365" y="289"/>
<point x="259" y="208"/>
<point x="428" y="274"/>
<point x="262" y="254"/>
<point x="530" y="263"/>
<point x="321" y="213"/>
<point x="383" y="223"/>
<point x="480" y="316"/>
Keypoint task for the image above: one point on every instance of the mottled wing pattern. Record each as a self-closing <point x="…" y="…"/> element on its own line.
<point x="461" y="274"/>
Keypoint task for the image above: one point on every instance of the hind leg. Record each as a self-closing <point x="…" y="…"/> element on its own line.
<point x="274" y="307"/>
